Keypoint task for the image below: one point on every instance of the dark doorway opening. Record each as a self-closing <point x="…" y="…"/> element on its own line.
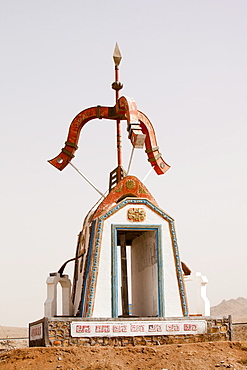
<point x="137" y="272"/>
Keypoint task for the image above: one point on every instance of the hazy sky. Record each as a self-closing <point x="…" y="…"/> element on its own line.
<point x="184" y="62"/>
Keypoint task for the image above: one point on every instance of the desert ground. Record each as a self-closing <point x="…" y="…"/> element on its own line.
<point x="199" y="356"/>
<point x="15" y="355"/>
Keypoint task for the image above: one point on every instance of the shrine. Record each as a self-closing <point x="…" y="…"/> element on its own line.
<point x="129" y="284"/>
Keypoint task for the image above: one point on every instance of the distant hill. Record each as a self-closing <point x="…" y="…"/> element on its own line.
<point x="235" y="307"/>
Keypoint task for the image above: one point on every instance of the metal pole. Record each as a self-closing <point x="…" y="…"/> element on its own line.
<point x="118" y="122"/>
<point x="118" y="86"/>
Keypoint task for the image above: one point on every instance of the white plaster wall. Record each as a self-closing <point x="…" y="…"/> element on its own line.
<point x="102" y="307"/>
<point x="81" y="266"/>
<point x="78" y="290"/>
<point x="171" y="290"/>
<point x="102" y="304"/>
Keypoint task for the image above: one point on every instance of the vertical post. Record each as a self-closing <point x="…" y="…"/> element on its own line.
<point x="124" y="276"/>
<point x="118" y="86"/>
<point x="119" y="135"/>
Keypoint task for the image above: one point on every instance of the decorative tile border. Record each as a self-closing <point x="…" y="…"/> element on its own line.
<point x="136" y="328"/>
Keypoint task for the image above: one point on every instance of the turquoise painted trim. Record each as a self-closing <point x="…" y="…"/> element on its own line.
<point x="174" y="245"/>
<point x="84" y="288"/>
<point x="178" y="270"/>
<point x="160" y="278"/>
<point x="114" y="273"/>
<point x="95" y="265"/>
<point x="161" y="290"/>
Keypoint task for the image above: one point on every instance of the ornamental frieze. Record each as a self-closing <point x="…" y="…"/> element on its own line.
<point x="136" y="214"/>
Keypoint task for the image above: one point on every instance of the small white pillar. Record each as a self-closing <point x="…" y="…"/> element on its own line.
<point x="203" y="304"/>
<point x="51" y="301"/>
<point x="200" y="281"/>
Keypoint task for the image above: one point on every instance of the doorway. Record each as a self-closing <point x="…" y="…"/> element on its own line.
<point x="137" y="271"/>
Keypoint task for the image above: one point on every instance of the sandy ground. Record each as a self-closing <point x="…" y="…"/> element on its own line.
<point x="6" y="335"/>
<point x="199" y="356"/>
<point x="14" y="354"/>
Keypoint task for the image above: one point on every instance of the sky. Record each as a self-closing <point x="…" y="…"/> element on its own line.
<point x="184" y="63"/>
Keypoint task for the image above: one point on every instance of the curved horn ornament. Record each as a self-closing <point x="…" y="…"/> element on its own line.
<point x="139" y="127"/>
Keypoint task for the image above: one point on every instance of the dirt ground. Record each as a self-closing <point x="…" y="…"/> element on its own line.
<point x="199" y="356"/>
<point x="14" y="354"/>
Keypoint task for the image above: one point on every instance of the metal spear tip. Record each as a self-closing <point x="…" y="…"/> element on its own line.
<point x="117" y="56"/>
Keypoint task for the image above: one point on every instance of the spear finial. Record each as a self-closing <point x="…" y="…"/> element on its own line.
<point x="117" y="56"/>
<point x="117" y="86"/>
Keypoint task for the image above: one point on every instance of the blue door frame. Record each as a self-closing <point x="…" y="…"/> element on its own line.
<point x="114" y="266"/>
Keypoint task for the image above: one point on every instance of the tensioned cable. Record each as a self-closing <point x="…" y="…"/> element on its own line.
<point x="130" y="160"/>
<point x="7" y="339"/>
<point x="145" y="178"/>
<point x="107" y="191"/>
<point x="85" y="178"/>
